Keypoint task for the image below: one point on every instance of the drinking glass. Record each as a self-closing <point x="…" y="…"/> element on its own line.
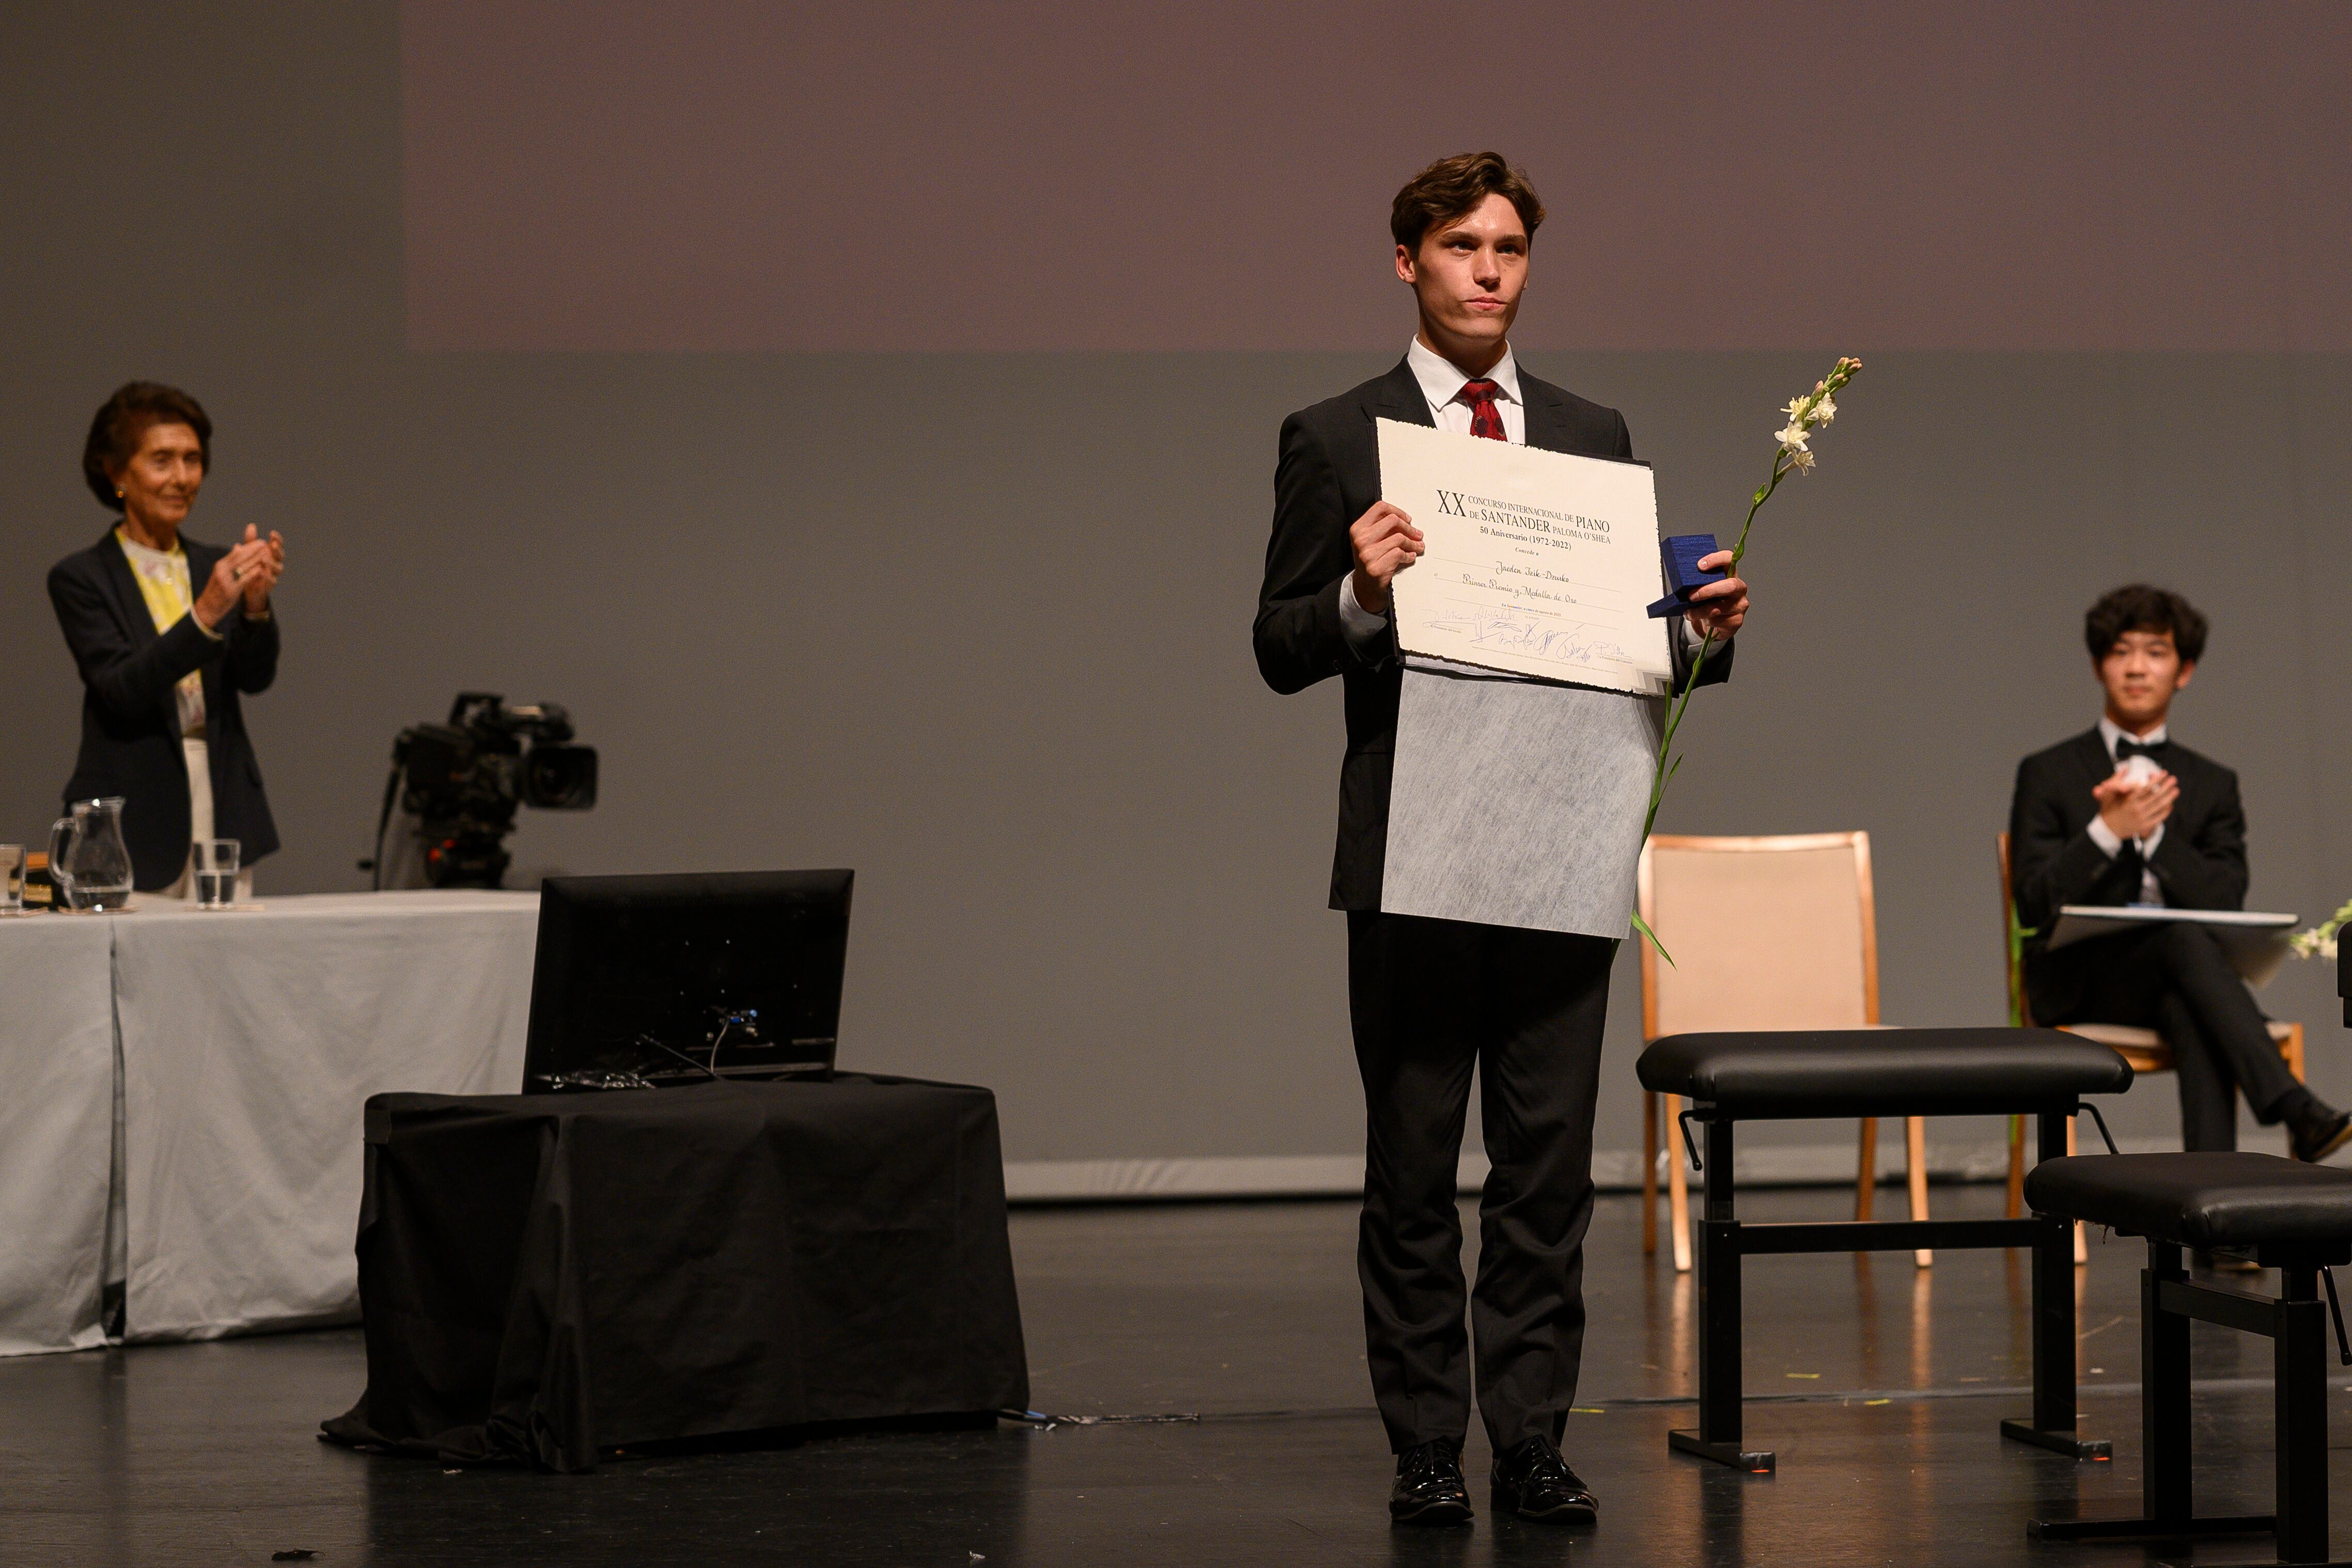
<point x="11" y="879"/>
<point x="216" y="872"/>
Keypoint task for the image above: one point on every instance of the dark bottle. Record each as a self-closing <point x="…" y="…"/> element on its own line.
<point x="40" y="888"/>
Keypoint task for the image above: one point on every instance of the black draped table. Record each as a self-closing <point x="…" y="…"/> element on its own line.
<point x="545" y="1275"/>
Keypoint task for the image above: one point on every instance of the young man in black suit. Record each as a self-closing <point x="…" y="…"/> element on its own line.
<point x="1431" y="998"/>
<point x="2123" y="814"/>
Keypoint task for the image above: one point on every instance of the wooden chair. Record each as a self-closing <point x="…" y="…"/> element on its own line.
<point x="1766" y="933"/>
<point x="2143" y="1048"/>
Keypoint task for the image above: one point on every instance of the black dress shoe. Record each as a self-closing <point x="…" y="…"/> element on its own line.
<point x="1533" y="1481"/>
<point x="1429" y="1485"/>
<point x="2317" y="1130"/>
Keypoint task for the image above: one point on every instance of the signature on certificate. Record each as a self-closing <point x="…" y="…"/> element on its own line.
<point x="1519" y="632"/>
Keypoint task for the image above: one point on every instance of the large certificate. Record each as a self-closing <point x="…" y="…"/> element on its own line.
<point x="1534" y="562"/>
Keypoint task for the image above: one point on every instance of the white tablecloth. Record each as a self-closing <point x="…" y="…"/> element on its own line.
<point x="56" y="1128"/>
<point x="248" y="1043"/>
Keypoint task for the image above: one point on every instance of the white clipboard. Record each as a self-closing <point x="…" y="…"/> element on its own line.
<point x="2255" y="941"/>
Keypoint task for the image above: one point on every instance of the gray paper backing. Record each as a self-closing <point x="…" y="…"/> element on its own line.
<point x="1515" y="802"/>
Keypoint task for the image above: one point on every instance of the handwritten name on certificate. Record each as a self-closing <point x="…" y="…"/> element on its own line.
<point x="1535" y="562"/>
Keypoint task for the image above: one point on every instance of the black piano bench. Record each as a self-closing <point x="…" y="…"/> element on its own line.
<point x="1798" y="1074"/>
<point x="2296" y="1219"/>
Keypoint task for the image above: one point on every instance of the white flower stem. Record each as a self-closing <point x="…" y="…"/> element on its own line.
<point x="1801" y="413"/>
<point x="1681" y="700"/>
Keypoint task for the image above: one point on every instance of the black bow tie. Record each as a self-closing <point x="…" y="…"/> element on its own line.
<point x="2127" y="748"/>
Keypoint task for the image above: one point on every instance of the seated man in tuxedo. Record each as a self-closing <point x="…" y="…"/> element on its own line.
<point x="2121" y="815"/>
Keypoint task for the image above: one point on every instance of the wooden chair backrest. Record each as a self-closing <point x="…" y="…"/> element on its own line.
<point x="1765" y="933"/>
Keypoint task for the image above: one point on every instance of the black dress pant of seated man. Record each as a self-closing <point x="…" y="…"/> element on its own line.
<point x="1431" y="999"/>
<point x="2176" y="981"/>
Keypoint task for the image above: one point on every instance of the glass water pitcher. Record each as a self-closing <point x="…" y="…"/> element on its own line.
<point x="88" y="858"/>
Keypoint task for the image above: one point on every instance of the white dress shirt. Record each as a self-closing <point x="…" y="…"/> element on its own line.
<point x="1441" y="384"/>
<point x="2105" y="837"/>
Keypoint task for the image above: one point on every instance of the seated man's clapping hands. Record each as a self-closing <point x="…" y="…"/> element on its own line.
<point x="2134" y="804"/>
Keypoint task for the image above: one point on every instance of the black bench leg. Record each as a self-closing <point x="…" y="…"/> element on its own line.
<point x="2164" y="1428"/>
<point x="2053" y="1427"/>
<point x="2300" y="1361"/>
<point x="2165" y="1451"/>
<point x="1717" y="1437"/>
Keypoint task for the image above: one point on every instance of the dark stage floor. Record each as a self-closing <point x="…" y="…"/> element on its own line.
<point x="1887" y="1384"/>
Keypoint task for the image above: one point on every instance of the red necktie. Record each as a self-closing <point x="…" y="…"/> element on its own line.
<point x="1486" y="418"/>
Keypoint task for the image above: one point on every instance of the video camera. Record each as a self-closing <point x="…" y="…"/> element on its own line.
<point x="463" y="781"/>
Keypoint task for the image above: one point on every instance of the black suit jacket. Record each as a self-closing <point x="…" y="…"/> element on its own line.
<point x="130" y="719"/>
<point x="1328" y="475"/>
<point x="2201" y="862"/>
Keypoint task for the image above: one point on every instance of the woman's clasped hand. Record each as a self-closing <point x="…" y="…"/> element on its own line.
<point x="246" y="574"/>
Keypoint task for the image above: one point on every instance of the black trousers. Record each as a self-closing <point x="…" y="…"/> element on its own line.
<point x="1430" y="998"/>
<point x="2175" y="980"/>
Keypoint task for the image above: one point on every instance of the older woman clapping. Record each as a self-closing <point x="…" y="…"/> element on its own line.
<point x="168" y="634"/>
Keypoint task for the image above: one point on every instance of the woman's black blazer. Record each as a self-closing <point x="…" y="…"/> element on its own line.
<point x="131" y="721"/>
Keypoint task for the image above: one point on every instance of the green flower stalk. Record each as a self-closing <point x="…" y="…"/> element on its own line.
<point x="2017" y="934"/>
<point x="1808" y="412"/>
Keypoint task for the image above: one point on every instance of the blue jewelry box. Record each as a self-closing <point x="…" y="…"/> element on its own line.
<point x="1680" y="554"/>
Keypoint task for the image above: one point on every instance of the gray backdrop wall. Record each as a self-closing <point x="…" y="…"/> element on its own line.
<point x="976" y="623"/>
